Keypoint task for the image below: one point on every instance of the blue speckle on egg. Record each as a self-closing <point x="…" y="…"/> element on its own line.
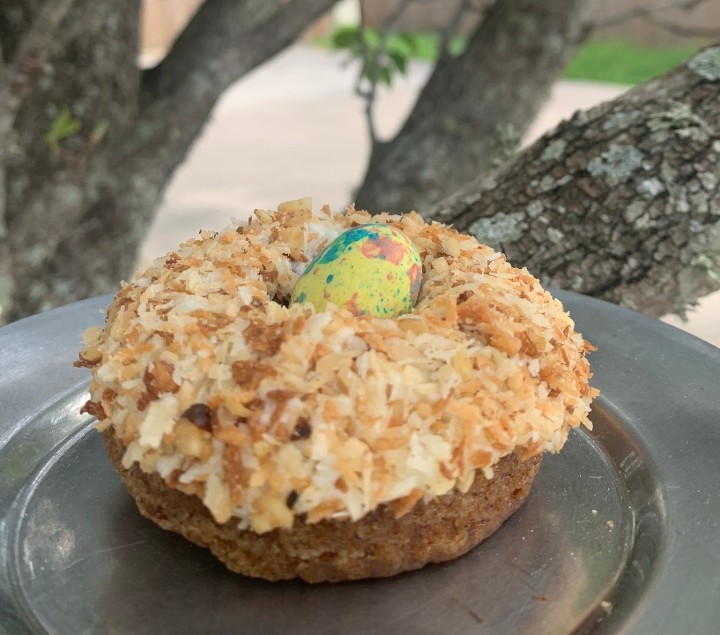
<point x="372" y="269"/>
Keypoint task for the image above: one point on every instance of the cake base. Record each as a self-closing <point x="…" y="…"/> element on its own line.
<point x="377" y="545"/>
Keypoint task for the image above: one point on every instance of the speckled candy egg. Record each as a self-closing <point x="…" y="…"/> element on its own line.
<point x="372" y="269"/>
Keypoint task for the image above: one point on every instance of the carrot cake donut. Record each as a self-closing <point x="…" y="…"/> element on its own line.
<point x="330" y="444"/>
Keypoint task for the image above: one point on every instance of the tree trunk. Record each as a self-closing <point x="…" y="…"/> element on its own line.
<point x="475" y="108"/>
<point x="84" y="72"/>
<point x="621" y="202"/>
<point x="77" y="209"/>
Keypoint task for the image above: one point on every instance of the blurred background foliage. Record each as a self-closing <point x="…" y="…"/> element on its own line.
<point x="613" y="60"/>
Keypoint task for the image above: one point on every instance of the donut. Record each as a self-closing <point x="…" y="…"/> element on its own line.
<point x="320" y="444"/>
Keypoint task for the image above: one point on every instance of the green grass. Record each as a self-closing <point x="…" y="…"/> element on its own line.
<point x="625" y="63"/>
<point x="616" y="61"/>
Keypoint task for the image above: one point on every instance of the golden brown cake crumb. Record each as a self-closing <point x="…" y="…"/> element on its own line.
<point x="378" y="545"/>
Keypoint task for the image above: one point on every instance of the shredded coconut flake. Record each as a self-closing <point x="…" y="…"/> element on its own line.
<point x="326" y="414"/>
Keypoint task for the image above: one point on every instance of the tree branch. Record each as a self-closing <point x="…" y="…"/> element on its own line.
<point x="452" y="25"/>
<point x="225" y="40"/>
<point x="498" y="83"/>
<point x="218" y="25"/>
<point x="621" y="202"/>
<point x="367" y="94"/>
<point x="140" y="163"/>
<point x="113" y="204"/>
<point x="370" y="61"/>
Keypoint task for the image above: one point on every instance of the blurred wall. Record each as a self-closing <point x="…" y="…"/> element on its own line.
<point x="426" y="16"/>
<point x="705" y="16"/>
<point x="421" y="16"/>
<point x="162" y="20"/>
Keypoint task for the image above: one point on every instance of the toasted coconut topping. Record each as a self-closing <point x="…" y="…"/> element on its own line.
<point x="267" y="411"/>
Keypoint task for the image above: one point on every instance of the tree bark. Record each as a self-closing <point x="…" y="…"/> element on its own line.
<point x="72" y="56"/>
<point x="475" y="108"/>
<point x="621" y="202"/>
<point x="76" y="214"/>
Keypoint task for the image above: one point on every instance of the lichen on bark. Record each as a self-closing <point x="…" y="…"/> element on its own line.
<point x="616" y="163"/>
<point x="629" y="196"/>
<point x="707" y="63"/>
<point x="499" y="228"/>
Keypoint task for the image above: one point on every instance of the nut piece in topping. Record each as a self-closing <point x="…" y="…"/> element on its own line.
<point x="302" y="430"/>
<point x="200" y="415"/>
<point x="292" y="499"/>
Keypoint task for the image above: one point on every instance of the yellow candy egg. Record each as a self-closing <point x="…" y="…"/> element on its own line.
<point x="372" y="269"/>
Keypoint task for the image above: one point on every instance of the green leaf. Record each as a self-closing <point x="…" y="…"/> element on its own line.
<point x="369" y="72"/>
<point x="410" y="42"/>
<point x="399" y="60"/>
<point x="372" y="38"/>
<point x="385" y="75"/>
<point x="379" y="73"/>
<point x="345" y="37"/>
<point x="64" y="126"/>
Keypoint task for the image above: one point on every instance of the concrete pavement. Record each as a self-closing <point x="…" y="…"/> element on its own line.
<point x="294" y="128"/>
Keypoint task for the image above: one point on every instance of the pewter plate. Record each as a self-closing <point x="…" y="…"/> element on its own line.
<point x="621" y="533"/>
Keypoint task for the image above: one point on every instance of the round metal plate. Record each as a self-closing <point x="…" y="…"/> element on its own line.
<point x="620" y="534"/>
